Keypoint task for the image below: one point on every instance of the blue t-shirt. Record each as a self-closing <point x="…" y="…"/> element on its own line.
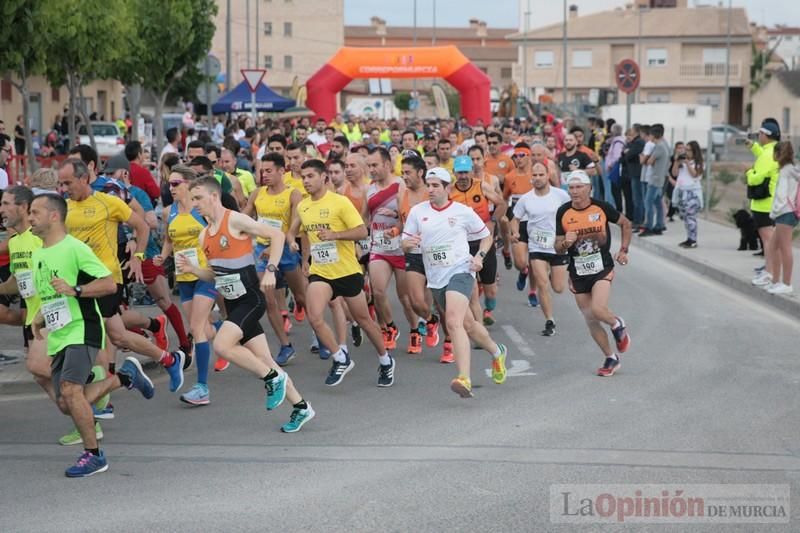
<point x="153" y="249"/>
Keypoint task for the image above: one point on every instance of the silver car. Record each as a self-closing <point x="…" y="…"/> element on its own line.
<point x="107" y="137"/>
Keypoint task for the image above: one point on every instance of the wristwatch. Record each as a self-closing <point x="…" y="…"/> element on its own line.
<point x="482" y="254"/>
<point x="623" y="249"/>
<point x="272" y="268"/>
<point x="78" y="290"/>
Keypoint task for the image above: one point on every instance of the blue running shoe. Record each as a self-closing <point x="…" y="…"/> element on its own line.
<point x="106" y="413"/>
<point x="176" y="371"/>
<point x="422" y="327"/>
<point x="324" y="353"/>
<point x="297" y="419"/>
<point x="533" y="300"/>
<point x="88" y="464"/>
<point x="285" y="354"/>
<point x="522" y="280"/>
<point x="338" y="372"/>
<point x="276" y="391"/>
<point x="138" y="379"/>
<point x="197" y="395"/>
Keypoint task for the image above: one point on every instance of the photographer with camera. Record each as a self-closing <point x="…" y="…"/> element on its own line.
<point x="687" y="195"/>
<point x="761" y="181"/>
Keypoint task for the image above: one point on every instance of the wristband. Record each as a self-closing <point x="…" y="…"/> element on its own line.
<point x="139" y="255"/>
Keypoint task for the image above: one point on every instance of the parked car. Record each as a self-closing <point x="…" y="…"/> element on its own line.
<point x="735" y="135"/>
<point x="107" y="137"/>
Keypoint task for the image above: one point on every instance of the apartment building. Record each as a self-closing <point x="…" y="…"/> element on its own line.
<point x="681" y="51"/>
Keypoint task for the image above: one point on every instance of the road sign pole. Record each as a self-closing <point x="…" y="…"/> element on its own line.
<point x="253" y="77"/>
<point x="628" y="111"/>
<point x="253" y="107"/>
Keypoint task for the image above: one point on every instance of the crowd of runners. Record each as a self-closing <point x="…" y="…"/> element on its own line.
<point x="297" y="236"/>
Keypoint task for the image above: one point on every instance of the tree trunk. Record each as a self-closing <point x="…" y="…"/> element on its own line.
<point x="158" y="123"/>
<point x="22" y="88"/>
<point x="135" y="101"/>
<point x="85" y="118"/>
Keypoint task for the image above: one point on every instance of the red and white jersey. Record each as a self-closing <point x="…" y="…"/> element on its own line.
<point x="445" y="234"/>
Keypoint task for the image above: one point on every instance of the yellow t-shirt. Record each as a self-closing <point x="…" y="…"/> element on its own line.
<point x="295" y="183"/>
<point x="247" y="180"/>
<point x="274" y="210"/>
<point x="330" y="259"/>
<point x="95" y="221"/>
<point x="184" y="232"/>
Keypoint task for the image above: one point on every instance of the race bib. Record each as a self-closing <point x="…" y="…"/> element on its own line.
<point x="543" y="238"/>
<point x="586" y="265"/>
<point x="384" y="241"/>
<point x="56" y="314"/>
<point x="363" y="246"/>
<point x="230" y="286"/>
<point x="25" y="283"/>
<point x="324" y="253"/>
<point x="277" y="224"/>
<point x="440" y="255"/>
<point x="190" y="254"/>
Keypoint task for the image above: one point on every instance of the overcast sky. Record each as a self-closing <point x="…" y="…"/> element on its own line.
<point x="505" y="13"/>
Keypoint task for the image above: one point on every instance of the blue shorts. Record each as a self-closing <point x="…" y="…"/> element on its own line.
<point x="188" y="289"/>
<point x="290" y="260"/>
<point x="788" y="219"/>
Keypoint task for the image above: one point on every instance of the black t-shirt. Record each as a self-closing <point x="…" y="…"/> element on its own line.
<point x="578" y="158"/>
<point x="590" y="254"/>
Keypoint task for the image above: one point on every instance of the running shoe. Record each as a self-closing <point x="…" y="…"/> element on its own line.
<point x="507" y="261"/>
<point x="763" y="279"/>
<point x="137" y="378"/>
<point x="621" y="336"/>
<point x="533" y="300"/>
<point x="314" y="344"/>
<point x="549" y="328"/>
<point x="760" y="269"/>
<point x="499" y="372"/>
<point x="287" y="324"/>
<point x="197" y="395"/>
<point x="447" y="353"/>
<point x="432" y="331"/>
<point x="386" y="374"/>
<point x="462" y="386"/>
<point x="414" y="343"/>
<point x="522" y="280"/>
<point x="299" y="313"/>
<point x="160" y="336"/>
<point x="87" y="465"/>
<point x="688" y="243"/>
<point x="339" y="371"/>
<point x="324" y="353"/>
<point x="422" y="327"/>
<point x="74" y="437"/>
<point x="394" y="333"/>
<point x="355" y="333"/>
<point x="488" y="319"/>
<point x="276" y="391"/>
<point x="175" y="371"/>
<point x="106" y="413"/>
<point x="189" y="348"/>
<point x="285" y="354"/>
<point x="609" y="368"/>
<point x="221" y="365"/>
<point x="780" y="288"/>
<point x="297" y="419"/>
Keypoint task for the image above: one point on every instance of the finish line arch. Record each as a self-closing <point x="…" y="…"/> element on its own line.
<point x="446" y="62"/>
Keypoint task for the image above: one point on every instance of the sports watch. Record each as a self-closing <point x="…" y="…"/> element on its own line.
<point x="272" y="268"/>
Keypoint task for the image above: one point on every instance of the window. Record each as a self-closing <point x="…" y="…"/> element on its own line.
<point x="287" y="62"/>
<point x="267" y="61"/>
<point x="656" y="57"/>
<point x="543" y="59"/>
<point x="714" y="55"/>
<point x="267" y="28"/>
<point x="5" y="91"/>
<point x="581" y="59"/>
<point x="55" y="94"/>
<point x="657" y="98"/>
<point x="505" y="72"/>
<point x="287" y="29"/>
<point x="712" y="99"/>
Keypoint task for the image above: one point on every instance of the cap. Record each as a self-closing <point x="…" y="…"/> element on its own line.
<point x="770" y="129"/>
<point x="429" y="137"/>
<point x="440" y="174"/>
<point x="117" y="162"/>
<point x="409" y="153"/>
<point x="580" y="176"/>
<point x="462" y="163"/>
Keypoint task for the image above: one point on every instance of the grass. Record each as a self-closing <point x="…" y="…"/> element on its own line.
<point x="726" y="177"/>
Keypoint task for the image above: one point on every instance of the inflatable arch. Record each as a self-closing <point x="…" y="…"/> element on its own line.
<point x="427" y="62"/>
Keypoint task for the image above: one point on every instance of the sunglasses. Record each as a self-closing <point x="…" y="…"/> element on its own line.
<point x="518" y="156"/>
<point x="493" y="142"/>
<point x="176" y="183"/>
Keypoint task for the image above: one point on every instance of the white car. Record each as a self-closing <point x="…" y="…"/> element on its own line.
<point x="107" y="138"/>
<point x="735" y="135"/>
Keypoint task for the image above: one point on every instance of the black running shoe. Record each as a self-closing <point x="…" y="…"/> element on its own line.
<point x="355" y="332"/>
<point x="549" y="328"/>
<point x="507" y="261"/>
<point x="386" y="374"/>
<point x="338" y="372"/>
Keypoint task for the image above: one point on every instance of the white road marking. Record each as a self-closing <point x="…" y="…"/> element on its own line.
<point x="519" y="343"/>
<point x="519" y="367"/>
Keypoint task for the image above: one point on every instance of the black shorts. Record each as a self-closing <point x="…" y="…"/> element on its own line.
<point x="414" y="264"/>
<point x="246" y="312"/>
<point x="510" y="210"/>
<point x="109" y="305"/>
<point x="552" y="259"/>
<point x="762" y="220"/>
<point x="347" y="286"/>
<point x="5" y="273"/>
<point x="584" y="284"/>
<point x="523" y="231"/>
<point x="488" y="274"/>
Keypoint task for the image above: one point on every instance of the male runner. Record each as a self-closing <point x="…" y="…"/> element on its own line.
<point x="582" y="230"/>
<point x="572" y="158"/>
<point x="539" y="207"/>
<point x="228" y="246"/>
<point x="295" y="156"/>
<point x="442" y="229"/>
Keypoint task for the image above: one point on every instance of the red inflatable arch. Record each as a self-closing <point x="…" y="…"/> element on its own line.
<point x="428" y="62"/>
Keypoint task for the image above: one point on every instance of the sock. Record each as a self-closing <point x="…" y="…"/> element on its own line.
<point x="124" y="380"/>
<point x="391" y="325"/>
<point x="498" y="352"/>
<point x="490" y="303"/>
<point x="285" y="314"/>
<point x="93" y="451"/>
<point x="533" y="292"/>
<point x="614" y="356"/>
<point x="447" y="339"/>
<point x="167" y="359"/>
<point x="217" y="324"/>
<point x="175" y="318"/>
<point x="340" y="356"/>
<point x="154" y="325"/>
<point x="302" y="404"/>
<point x="385" y="359"/>
<point x="617" y="324"/>
<point x="343" y="347"/>
<point x="272" y="374"/>
<point x="506" y="254"/>
<point x="414" y="330"/>
<point x="202" y="355"/>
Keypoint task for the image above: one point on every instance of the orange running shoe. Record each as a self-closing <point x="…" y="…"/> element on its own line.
<point x="488" y="319"/>
<point x="432" y="332"/>
<point x="160" y="336"/>
<point x="462" y="386"/>
<point x="414" y="343"/>
<point x="299" y="313"/>
<point x="447" y="353"/>
<point x="221" y="364"/>
<point x="287" y="324"/>
<point x="390" y="339"/>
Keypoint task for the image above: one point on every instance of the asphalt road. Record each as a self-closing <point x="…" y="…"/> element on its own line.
<point x="707" y="394"/>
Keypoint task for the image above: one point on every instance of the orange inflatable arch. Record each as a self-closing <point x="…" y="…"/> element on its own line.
<point x="446" y="62"/>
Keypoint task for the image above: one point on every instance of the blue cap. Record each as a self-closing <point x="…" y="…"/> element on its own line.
<point x="462" y="163"/>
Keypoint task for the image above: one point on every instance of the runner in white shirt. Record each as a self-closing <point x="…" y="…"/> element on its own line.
<point x="538" y="208"/>
<point x="443" y="229"/>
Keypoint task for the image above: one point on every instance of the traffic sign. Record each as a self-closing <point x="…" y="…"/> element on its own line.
<point x="209" y="66"/>
<point x="627" y="75"/>
<point x="208" y="93"/>
<point x="253" y="77"/>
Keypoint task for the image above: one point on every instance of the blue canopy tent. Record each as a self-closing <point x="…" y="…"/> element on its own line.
<point x="238" y="100"/>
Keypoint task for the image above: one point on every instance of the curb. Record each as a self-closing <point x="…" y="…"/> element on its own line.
<point x="782" y="303"/>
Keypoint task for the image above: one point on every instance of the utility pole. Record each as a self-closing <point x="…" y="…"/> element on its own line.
<point x="433" y="39"/>
<point x="564" y="54"/>
<point x="414" y="111"/>
<point x="247" y="31"/>
<point x="258" y="38"/>
<point x="726" y="100"/>
<point x="228" y="47"/>
<point x="527" y="28"/>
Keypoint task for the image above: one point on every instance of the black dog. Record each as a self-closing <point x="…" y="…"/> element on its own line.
<point x="747" y="229"/>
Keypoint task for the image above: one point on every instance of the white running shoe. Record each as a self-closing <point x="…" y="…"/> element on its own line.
<point x="762" y="279"/>
<point x="780" y="288"/>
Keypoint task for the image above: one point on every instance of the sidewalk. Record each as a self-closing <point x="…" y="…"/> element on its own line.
<point x="716" y="257"/>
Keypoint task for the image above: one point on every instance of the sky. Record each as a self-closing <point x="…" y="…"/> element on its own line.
<point x="505" y="13"/>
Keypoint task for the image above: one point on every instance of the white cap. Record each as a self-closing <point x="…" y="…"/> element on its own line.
<point x="439" y="173"/>
<point x="580" y="176"/>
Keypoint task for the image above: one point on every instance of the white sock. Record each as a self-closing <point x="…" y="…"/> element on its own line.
<point x="385" y="359"/>
<point x="498" y="352"/>
<point x="343" y="347"/>
<point x="617" y="324"/>
<point x="340" y="356"/>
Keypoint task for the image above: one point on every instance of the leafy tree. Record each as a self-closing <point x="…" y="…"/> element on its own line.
<point x="402" y="101"/>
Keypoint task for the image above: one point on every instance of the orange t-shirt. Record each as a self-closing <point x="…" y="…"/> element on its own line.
<point x="474" y="198"/>
<point x="516" y="184"/>
<point x="498" y="166"/>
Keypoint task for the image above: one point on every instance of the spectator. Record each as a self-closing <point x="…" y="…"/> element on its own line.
<point x="658" y="163"/>
<point x="639" y="182"/>
<point x="19" y="136"/>
<point x="612" y="163"/>
<point x="139" y="175"/>
<point x="761" y="182"/>
<point x="630" y="169"/>
<point x="173" y="138"/>
<point x="669" y="186"/>
<point x="687" y="195"/>
<point x="784" y="213"/>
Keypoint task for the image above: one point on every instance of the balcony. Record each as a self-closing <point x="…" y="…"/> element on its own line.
<point x="708" y="71"/>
